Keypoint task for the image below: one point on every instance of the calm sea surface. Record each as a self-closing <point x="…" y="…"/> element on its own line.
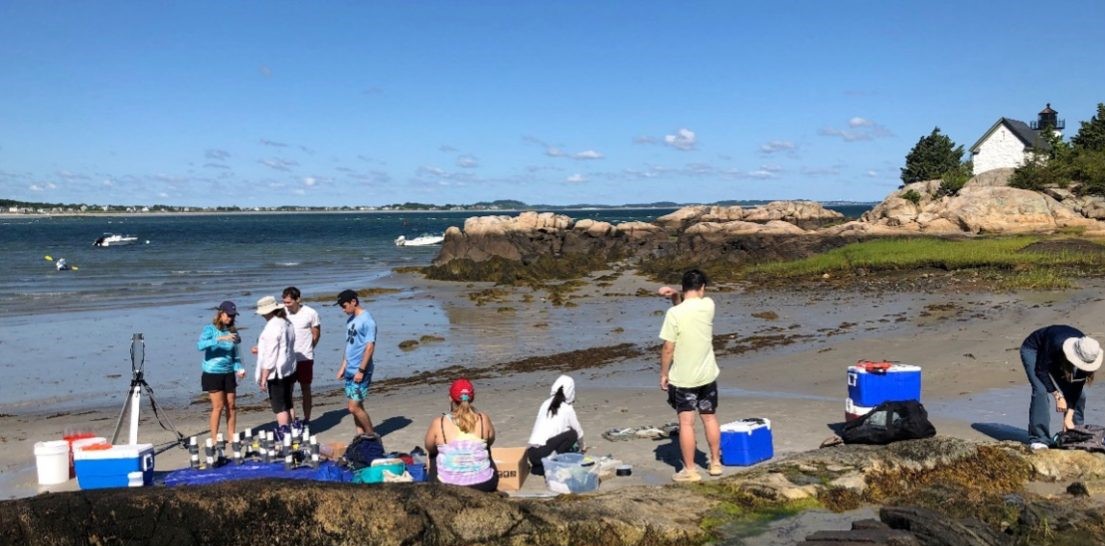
<point x="206" y="257"/>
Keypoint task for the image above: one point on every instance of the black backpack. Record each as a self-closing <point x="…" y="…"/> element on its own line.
<point x="890" y="422"/>
<point x="364" y="449"/>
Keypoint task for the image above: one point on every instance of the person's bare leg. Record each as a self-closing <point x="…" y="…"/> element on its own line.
<point x="218" y="402"/>
<point x="687" y="439"/>
<point x="713" y="435"/>
<point x="306" y="388"/>
<point x="360" y="417"/>
<point x="231" y="414"/>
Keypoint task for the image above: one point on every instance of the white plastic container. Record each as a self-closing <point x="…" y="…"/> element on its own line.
<point x="52" y="462"/>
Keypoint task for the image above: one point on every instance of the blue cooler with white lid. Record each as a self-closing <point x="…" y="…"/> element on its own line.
<point x="869" y="387"/>
<point x="746" y="442"/>
<point x="129" y="465"/>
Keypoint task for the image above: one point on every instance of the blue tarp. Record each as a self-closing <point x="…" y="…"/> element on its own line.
<point x="326" y="472"/>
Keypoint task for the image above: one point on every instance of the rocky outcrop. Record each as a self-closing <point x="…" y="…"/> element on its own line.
<point x="496" y="247"/>
<point x="923" y="486"/>
<point x="804" y="214"/>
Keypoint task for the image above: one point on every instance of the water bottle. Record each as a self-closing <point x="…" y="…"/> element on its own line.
<point x="314" y="451"/>
<point x="220" y="446"/>
<point x="193" y="453"/>
<point x="236" y="445"/>
<point x="209" y="453"/>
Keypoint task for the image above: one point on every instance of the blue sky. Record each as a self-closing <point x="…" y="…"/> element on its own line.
<point x="371" y="103"/>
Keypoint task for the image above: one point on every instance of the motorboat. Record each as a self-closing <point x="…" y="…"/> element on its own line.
<point x="421" y="240"/>
<point x="115" y="239"/>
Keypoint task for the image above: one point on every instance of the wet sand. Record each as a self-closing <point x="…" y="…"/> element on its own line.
<point x="783" y="356"/>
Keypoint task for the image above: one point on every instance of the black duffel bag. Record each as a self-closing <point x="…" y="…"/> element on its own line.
<point x="890" y="422"/>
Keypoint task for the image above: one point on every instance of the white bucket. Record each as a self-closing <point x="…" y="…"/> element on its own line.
<point x="52" y="462"/>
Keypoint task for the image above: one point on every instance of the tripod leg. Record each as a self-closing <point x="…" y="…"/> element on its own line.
<point x="118" y="422"/>
<point x="135" y="400"/>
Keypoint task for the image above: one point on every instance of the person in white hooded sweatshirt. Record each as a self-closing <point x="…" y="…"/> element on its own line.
<point x="556" y="429"/>
<point x="275" y="352"/>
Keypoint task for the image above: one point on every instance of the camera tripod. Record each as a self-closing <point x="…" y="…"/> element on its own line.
<point x="134" y="398"/>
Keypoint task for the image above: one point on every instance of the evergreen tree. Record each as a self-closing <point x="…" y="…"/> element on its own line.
<point x="1091" y="136"/>
<point x="932" y="157"/>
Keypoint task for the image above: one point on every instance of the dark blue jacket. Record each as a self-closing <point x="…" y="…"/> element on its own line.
<point x="1050" y="359"/>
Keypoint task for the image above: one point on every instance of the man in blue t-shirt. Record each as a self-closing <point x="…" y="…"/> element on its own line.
<point x="356" y="364"/>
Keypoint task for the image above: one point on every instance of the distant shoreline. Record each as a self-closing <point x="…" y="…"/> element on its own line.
<point x="13" y="215"/>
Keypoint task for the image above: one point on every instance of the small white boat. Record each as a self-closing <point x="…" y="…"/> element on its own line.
<point x="421" y="240"/>
<point x="115" y="239"/>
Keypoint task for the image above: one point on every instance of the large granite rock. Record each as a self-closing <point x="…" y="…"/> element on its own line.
<point x="804" y="214"/>
<point x="926" y="487"/>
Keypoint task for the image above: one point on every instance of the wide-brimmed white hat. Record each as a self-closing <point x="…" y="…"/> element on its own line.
<point x="269" y="304"/>
<point x="1084" y="352"/>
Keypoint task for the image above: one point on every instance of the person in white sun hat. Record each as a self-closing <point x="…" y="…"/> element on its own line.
<point x="1059" y="361"/>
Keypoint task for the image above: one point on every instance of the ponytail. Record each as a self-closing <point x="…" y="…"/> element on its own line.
<point x="557" y="399"/>
<point x="464" y="416"/>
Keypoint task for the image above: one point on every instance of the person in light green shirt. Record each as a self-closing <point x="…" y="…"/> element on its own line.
<point x="688" y="370"/>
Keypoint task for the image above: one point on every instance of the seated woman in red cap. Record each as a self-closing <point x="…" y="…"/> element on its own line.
<point x="459" y="442"/>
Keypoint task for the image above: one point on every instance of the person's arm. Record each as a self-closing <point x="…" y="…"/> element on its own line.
<point x="666" y="355"/>
<point x="316" y="332"/>
<point x="362" y="369"/>
<point x="1043" y="373"/>
<point x="573" y="422"/>
<point x="431" y="441"/>
<point x="266" y="358"/>
<point x="669" y="292"/>
<point x="489" y="428"/>
<point x="210" y="338"/>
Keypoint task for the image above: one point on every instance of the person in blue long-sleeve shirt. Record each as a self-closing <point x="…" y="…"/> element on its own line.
<point x="1059" y="361"/>
<point x="222" y="367"/>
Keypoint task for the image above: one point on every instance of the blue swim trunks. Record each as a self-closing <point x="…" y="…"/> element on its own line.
<point x="357" y="391"/>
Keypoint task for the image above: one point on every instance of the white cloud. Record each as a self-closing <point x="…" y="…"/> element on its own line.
<point x="279" y="164"/>
<point x="310" y="181"/>
<point x="35" y="187"/>
<point x="683" y="139"/>
<point x="216" y="154"/>
<point x="645" y="139"/>
<point x="553" y="151"/>
<point x="763" y="174"/>
<point x="777" y="146"/>
<point x="446" y="148"/>
<point x="859" y="129"/>
<point x="873" y="174"/>
<point x="467" y="162"/>
<point x="589" y="154"/>
<point x="265" y="71"/>
<point x="163" y="195"/>
<point x="576" y="179"/>
<point x="107" y="183"/>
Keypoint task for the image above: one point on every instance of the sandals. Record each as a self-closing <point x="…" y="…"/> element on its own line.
<point x="643" y="432"/>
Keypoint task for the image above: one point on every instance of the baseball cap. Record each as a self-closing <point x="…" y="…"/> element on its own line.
<point x="228" y="307"/>
<point x="462" y="390"/>
<point x="347" y="295"/>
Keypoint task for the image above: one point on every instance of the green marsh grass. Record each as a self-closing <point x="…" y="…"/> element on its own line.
<point x="1001" y="257"/>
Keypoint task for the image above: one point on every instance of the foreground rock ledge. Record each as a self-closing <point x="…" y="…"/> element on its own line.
<point x="926" y="487"/>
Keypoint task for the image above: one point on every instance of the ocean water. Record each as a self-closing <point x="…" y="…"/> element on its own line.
<point x="208" y="257"/>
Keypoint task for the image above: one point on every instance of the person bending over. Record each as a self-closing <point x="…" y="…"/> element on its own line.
<point x="556" y="429"/>
<point x="1059" y="361"/>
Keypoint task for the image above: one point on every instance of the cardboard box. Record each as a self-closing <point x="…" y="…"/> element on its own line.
<point x="513" y="466"/>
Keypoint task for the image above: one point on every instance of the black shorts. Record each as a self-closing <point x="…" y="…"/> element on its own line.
<point x="701" y="399"/>
<point x="219" y="382"/>
<point x="280" y="393"/>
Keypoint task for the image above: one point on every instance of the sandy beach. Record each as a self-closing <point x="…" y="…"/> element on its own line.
<point x="784" y="357"/>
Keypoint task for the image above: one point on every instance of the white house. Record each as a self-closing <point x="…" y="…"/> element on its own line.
<point x="1009" y="142"/>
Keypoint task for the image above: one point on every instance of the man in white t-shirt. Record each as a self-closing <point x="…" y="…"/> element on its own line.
<point x="307" y="331"/>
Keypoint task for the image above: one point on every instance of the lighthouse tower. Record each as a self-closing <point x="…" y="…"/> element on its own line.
<point x="1049" y="118"/>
